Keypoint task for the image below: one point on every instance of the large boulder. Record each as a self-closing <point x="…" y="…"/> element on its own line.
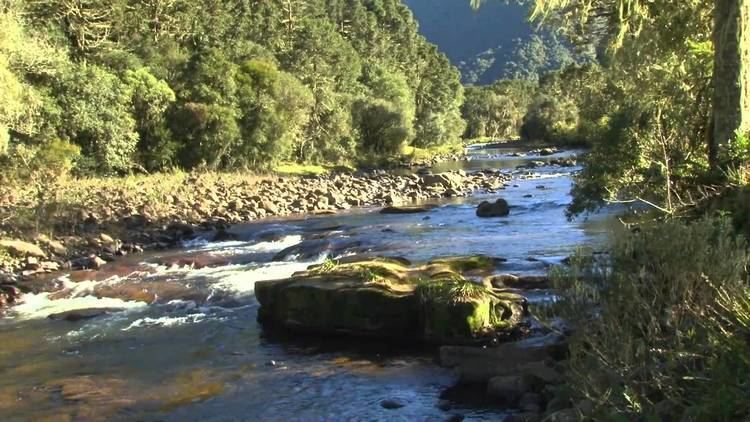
<point x="383" y="298"/>
<point x="499" y="208"/>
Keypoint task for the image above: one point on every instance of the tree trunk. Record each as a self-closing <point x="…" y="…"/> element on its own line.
<point x="731" y="105"/>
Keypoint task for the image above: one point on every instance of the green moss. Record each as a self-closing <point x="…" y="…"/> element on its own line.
<point x="387" y="299"/>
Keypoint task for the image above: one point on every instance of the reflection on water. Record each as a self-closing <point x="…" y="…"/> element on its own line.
<point x="182" y="342"/>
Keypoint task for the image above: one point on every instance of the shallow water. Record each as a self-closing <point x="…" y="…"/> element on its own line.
<point x="197" y="352"/>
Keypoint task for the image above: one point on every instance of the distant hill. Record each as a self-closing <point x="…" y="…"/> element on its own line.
<point x="497" y="41"/>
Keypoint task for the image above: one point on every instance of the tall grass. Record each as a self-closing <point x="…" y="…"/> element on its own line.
<point x="662" y="331"/>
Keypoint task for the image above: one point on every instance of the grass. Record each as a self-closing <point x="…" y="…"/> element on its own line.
<point x="662" y="334"/>
<point x="452" y="290"/>
<point x="294" y="169"/>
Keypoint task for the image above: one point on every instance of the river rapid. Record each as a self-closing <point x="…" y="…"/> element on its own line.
<point x="196" y="352"/>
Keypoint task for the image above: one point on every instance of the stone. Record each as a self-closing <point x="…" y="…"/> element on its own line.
<point x="537" y="375"/>
<point x="270" y="207"/>
<point x="499" y="208"/>
<point x="406" y="209"/>
<point x="547" y="151"/>
<point x="82" y="314"/>
<point x="524" y="417"/>
<point x="96" y="262"/>
<point x="530" y="402"/>
<point x="444" y="180"/>
<point x="525" y="282"/>
<point x="506" y="389"/>
<point x="391" y="404"/>
<point x="32" y="263"/>
<point x="475" y="364"/>
<point x="22" y="249"/>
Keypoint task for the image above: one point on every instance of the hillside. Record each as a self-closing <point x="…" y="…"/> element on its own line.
<point x="494" y="42"/>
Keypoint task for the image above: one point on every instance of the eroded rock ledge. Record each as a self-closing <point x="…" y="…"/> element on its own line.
<point x="386" y="298"/>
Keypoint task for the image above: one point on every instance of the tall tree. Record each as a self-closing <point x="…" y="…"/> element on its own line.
<point x="731" y="76"/>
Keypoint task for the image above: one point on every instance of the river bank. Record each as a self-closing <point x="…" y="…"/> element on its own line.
<point x="190" y="314"/>
<point x="94" y="221"/>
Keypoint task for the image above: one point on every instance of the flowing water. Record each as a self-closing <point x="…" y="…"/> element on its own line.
<point x="197" y="353"/>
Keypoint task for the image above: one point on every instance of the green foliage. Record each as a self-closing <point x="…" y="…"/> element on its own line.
<point x="151" y="99"/>
<point x="550" y="119"/>
<point x="97" y="108"/>
<point x="223" y="84"/>
<point x="662" y="332"/>
<point x="275" y="109"/>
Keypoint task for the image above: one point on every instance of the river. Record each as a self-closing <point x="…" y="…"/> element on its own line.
<point x="198" y="353"/>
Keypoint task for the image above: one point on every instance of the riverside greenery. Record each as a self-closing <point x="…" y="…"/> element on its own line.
<point x="663" y="325"/>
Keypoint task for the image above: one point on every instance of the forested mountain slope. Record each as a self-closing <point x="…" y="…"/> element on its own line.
<point x="493" y="42"/>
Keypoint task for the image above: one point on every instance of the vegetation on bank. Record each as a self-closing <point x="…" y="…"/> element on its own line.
<point x="662" y="325"/>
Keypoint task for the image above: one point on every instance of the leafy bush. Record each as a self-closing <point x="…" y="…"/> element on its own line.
<point x="662" y="329"/>
<point x="553" y="119"/>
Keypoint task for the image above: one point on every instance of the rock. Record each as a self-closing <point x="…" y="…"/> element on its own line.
<point x="530" y="402"/>
<point x="499" y="208"/>
<point x="537" y="375"/>
<point x="506" y="389"/>
<point x="444" y="180"/>
<point x="405" y="210"/>
<point x="32" y="263"/>
<point x="547" y="151"/>
<point x="223" y="235"/>
<point x="22" y="249"/>
<point x="304" y="251"/>
<point x="391" y="404"/>
<point x="474" y="364"/>
<point x="525" y="282"/>
<point x="82" y="314"/>
<point x="524" y="417"/>
<point x="270" y="207"/>
<point x="106" y="239"/>
<point x="382" y="298"/>
<point x="95" y="262"/>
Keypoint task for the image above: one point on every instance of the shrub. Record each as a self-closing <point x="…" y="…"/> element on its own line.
<point x="663" y="328"/>
<point x="550" y="119"/>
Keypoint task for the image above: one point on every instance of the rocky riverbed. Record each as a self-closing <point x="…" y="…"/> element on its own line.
<point x="174" y="334"/>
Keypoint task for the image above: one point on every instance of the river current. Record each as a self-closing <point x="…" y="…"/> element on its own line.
<point x="198" y="353"/>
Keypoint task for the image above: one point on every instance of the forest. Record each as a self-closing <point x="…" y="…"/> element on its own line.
<point x="98" y="99"/>
<point x="148" y="85"/>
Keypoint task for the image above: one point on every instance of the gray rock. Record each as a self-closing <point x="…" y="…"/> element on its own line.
<point x="499" y="208"/>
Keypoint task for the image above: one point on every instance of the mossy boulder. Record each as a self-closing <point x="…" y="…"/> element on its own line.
<point x="384" y="298"/>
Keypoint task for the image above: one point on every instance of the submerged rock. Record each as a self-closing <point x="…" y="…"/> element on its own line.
<point x="499" y="208"/>
<point x="82" y="314"/>
<point x="382" y="298"/>
<point x="405" y="209"/>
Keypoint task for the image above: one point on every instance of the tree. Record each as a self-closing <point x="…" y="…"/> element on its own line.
<point x="97" y="117"/>
<point x="275" y="107"/>
<point x="151" y="98"/>
<point x="731" y="102"/>
<point x="731" y="37"/>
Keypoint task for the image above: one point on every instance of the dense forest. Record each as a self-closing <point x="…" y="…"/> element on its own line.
<point x="110" y="87"/>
